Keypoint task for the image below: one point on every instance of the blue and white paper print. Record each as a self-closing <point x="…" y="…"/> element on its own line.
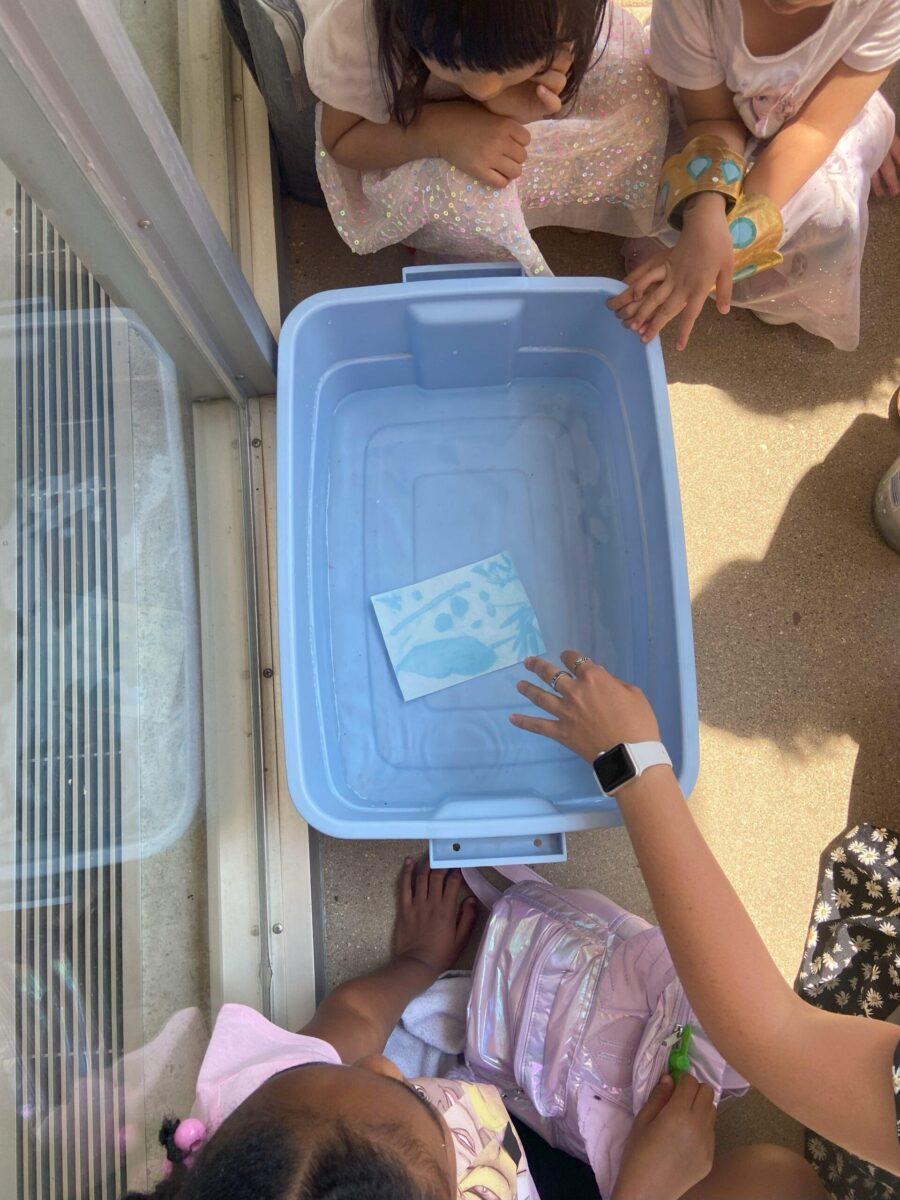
<point x="457" y="626"/>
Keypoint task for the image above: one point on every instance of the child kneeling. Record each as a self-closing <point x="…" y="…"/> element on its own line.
<point x="282" y="1116"/>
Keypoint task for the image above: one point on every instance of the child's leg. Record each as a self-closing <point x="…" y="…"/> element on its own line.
<point x="760" y="1172"/>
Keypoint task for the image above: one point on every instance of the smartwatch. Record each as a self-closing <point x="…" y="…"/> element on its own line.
<point x="618" y="766"/>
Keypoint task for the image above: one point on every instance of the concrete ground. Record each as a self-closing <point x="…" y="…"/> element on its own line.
<point x="780" y="440"/>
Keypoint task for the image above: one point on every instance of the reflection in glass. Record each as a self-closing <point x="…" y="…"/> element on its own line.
<point x="102" y="853"/>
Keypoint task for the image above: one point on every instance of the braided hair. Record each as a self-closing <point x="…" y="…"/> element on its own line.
<point x="267" y="1160"/>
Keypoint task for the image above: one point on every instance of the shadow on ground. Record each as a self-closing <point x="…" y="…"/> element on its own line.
<point x="809" y="632"/>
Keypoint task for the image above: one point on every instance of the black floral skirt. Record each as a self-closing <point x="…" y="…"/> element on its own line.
<point x="852" y="965"/>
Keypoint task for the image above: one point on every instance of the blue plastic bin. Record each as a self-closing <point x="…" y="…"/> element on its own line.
<point x="428" y="424"/>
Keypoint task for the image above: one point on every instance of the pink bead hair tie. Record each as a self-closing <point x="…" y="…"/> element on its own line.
<point x="189" y="1137"/>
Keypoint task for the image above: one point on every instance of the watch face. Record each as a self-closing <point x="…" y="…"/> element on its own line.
<point x="614" y="768"/>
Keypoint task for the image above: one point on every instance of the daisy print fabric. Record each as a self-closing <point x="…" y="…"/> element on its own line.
<point x="852" y="965"/>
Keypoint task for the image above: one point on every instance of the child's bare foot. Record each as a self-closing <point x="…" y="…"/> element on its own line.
<point x="431" y="924"/>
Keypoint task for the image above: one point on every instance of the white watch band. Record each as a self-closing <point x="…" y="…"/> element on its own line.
<point x="647" y="754"/>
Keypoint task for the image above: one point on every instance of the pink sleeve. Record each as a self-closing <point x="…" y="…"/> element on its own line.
<point x="878" y="44"/>
<point x="340" y="55"/>
<point x="245" y="1051"/>
<point x="682" y="48"/>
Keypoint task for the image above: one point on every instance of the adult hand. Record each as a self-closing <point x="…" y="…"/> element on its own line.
<point x="538" y="97"/>
<point x="679" y="281"/>
<point x="671" y="1144"/>
<point x="592" y="709"/>
<point x="886" y="180"/>
<point x="431" y="925"/>
<point x="481" y="143"/>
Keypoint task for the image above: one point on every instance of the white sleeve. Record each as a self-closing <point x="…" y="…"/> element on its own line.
<point x="878" y="44"/>
<point x="682" y="49"/>
<point x="340" y="55"/>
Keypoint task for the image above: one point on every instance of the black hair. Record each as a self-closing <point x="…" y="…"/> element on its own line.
<point x="266" y="1160"/>
<point x="481" y="35"/>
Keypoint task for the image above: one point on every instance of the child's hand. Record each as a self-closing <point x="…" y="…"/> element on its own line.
<point x="481" y="143"/>
<point x="680" y="280"/>
<point x="536" y="98"/>
<point x="671" y="1144"/>
<point x="885" y="181"/>
<point x="432" y="926"/>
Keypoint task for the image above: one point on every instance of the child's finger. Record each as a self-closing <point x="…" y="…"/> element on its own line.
<point x="625" y="314"/>
<point x="616" y="303"/>
<point x="495" y="179"/>
<point x="691" y="313"/>
<point x="657" y="1101"/>
<point x="652" y="303"/>
<point x="662" y="317"/>
<point x="651" y="277"/>
<point x="636" y="274"/>
<point x="565" y="59"/>
<point x="554" y="80"/>
<point x="518" y="133"/>
<point x="686" y="1090"/>
<point x="549" y="99"/>
<point x="509" y="167"/>
<point x="657" y="262"/>
<point x="877" y="186"/>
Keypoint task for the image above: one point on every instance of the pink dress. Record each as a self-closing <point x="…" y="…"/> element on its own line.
<point x="595" y="168"/>
<point x="697" y="44"/>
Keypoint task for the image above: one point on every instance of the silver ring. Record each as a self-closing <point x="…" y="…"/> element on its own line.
<point x="582" y="658"/>
<point x="555" y="677"/>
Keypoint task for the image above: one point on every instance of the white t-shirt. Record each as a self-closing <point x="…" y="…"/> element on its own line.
<point x="696" y="44"/>
<point x="340" y="55"/>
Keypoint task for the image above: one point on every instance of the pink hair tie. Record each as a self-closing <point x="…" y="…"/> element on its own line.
<point x="189" y="1137"/>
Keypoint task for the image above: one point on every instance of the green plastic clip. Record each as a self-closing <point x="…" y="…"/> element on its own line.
<point x="679" y="1058"/>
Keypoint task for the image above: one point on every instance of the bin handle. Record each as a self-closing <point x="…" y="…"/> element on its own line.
<point x="503" y="851"/>
<point x="499" y="270"/>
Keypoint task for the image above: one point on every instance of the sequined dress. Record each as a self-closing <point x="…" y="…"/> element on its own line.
<point x="596" y="168"/>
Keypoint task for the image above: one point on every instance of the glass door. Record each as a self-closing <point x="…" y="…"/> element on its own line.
<point x="102" y="853"/>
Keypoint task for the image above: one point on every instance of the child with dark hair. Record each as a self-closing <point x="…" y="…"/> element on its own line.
<point x="322" y="1114"/>
<point x="457" y="126"/>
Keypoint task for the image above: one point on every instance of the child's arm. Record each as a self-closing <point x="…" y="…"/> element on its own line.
<point x="481" y="143"/>
<point x="797" y="151"/>
<point x="779" y="1042"/>
<point x="430" y="932"/>
<point x="679" y="280"/>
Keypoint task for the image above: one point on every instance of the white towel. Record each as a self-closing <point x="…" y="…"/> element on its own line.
<point x="431" y="1035"/>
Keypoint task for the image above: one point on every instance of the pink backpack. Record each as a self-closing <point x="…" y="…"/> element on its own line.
<point x="575" y="1006"/>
